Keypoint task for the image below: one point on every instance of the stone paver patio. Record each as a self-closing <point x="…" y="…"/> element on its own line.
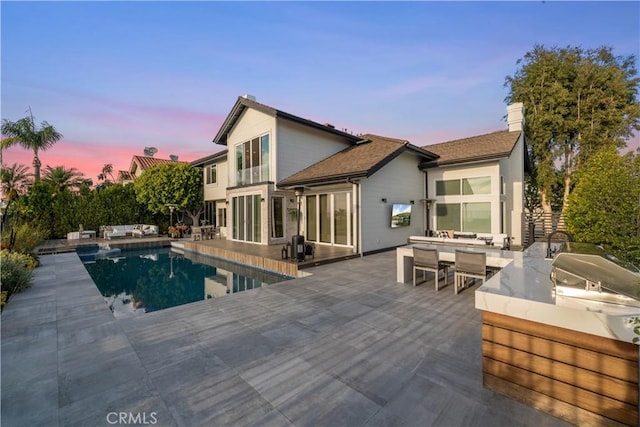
<point x="346" y="346"/>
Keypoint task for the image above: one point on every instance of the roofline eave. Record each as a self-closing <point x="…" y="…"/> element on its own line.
<point x="335" y="179"/>
<point x="430" y="165"/>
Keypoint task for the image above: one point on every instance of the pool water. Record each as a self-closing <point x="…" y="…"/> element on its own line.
<point x="142" y="281"/>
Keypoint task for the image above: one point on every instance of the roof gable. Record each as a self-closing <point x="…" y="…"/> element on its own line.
<point x="360" y="160"/>
<point x="218" y="157"/>
<point x="242" y="103"/>
<point x="144" y="162"/>
<point x="124" y="176"/>
<point x="489" y="146"/>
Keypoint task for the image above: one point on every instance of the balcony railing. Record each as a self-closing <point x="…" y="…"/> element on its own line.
<point x="252" y="175"/>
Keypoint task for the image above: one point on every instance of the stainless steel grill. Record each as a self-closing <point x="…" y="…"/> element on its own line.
<point x="583" y="270"/>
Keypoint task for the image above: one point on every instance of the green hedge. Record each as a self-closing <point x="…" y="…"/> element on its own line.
<point x="16" y="272"/>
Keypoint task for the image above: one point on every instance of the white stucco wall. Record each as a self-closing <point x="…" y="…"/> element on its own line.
<point x="511" y="168"/>
<point x="513" y="171"/>
<point x="400" y="181"/>
<point x="491" y="169"/>
<point x="218" y="190"/>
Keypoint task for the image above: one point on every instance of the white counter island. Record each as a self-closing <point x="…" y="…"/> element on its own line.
<point x="571" y="357"/>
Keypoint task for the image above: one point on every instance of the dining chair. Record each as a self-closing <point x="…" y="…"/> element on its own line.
<point x="469" y="265"/>
<point x="196" y="233"/>
<point x="427" y="260"/>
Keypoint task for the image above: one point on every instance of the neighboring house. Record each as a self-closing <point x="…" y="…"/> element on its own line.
<point x="346" y="186"/>
<point x="477" y="184"/>
<point x="215" y="179"/>
<point x="138" y="165"/>
<point x="124" y="177"/>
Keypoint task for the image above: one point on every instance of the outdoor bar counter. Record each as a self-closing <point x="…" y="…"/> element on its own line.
<point x="570" y="357"/>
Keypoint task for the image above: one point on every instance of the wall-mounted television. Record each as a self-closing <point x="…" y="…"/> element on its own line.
<point x="400" y="215"/>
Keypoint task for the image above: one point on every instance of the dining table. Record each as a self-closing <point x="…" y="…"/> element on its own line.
<point x="496" y="258"/>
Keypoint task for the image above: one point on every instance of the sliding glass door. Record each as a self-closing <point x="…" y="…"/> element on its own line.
<point x="328" y="218"/>
<point x="247" y="218"/>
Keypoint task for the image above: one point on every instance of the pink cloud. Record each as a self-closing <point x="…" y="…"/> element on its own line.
<point x="90" y="159"/>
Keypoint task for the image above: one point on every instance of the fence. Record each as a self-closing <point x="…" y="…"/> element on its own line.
<point x="538" y="225"/>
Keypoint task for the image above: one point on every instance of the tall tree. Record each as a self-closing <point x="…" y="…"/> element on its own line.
<point x="604" y="207"/>
<point x="174" y="183"/>
<point x="576" y="102"/>
<point x="25" y="133"/>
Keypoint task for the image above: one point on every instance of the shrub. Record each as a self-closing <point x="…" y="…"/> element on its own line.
<point x="604" y="207"/>
<point x="16" y="272"/>
<point x="27" y="238"/>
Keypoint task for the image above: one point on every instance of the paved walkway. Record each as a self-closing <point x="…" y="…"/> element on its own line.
<point x="346" y="346"/>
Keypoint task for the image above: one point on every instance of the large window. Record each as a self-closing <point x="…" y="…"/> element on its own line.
<point x="448" y="216"/>
<point x="472" y="217"/>
<point x="465" y="186"/>
<point x="209" y="213"/>
<point x="278" y="215"/>
<point x="252" y="161"/>
<point x="449" y="187"/>
<point x="311" y="218"/>
<point x="480" y="185"/>
<point x="222" y="217"/>
<point x="211" y="174"/>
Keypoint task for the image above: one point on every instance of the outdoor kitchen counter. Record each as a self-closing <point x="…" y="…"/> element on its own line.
<point x="570" y="357"/>
<point x="523" y="289"/>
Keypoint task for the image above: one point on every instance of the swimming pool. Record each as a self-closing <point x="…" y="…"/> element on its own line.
<point x="140" y="281"/>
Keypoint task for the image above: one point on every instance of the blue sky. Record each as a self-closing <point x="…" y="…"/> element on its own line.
<point x="114" y="77"/>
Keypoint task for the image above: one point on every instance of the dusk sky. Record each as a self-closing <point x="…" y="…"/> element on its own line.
<point x="115" y="77"/>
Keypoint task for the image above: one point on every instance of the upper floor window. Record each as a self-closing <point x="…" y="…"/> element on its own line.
<point x="211" y="174"/>
<point x="252" y="161"/>
<point x="464" y="186"/>
<point x="479" y="185"/>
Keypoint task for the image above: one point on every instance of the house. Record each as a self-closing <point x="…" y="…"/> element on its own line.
<point x="476" y="184"/>
<point x="215" y="181"/>
<point x="364" y="192"/>
<point x="138" y="165"/>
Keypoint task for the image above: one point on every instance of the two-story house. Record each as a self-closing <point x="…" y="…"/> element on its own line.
<point x="346" y="187"/>
<point x="277" y="164"/>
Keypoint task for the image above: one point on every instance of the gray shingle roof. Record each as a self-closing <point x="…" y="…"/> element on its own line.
<point x="242" y="103"/>
<point x="481" y="147"/>
<point x="360" y="160"/>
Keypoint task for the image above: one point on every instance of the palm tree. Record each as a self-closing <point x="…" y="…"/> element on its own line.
<point x="14" y="181"/>
<point x="61" y="178"/>
<point x="25" y="133"/>
<point x="107" y="169"/>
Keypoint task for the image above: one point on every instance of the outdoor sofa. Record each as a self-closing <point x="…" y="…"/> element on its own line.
<point x="136" y="230"/>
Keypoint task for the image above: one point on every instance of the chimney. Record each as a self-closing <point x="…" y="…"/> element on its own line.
<point x="515" y="117"/>
<point x="249" y="97"/>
